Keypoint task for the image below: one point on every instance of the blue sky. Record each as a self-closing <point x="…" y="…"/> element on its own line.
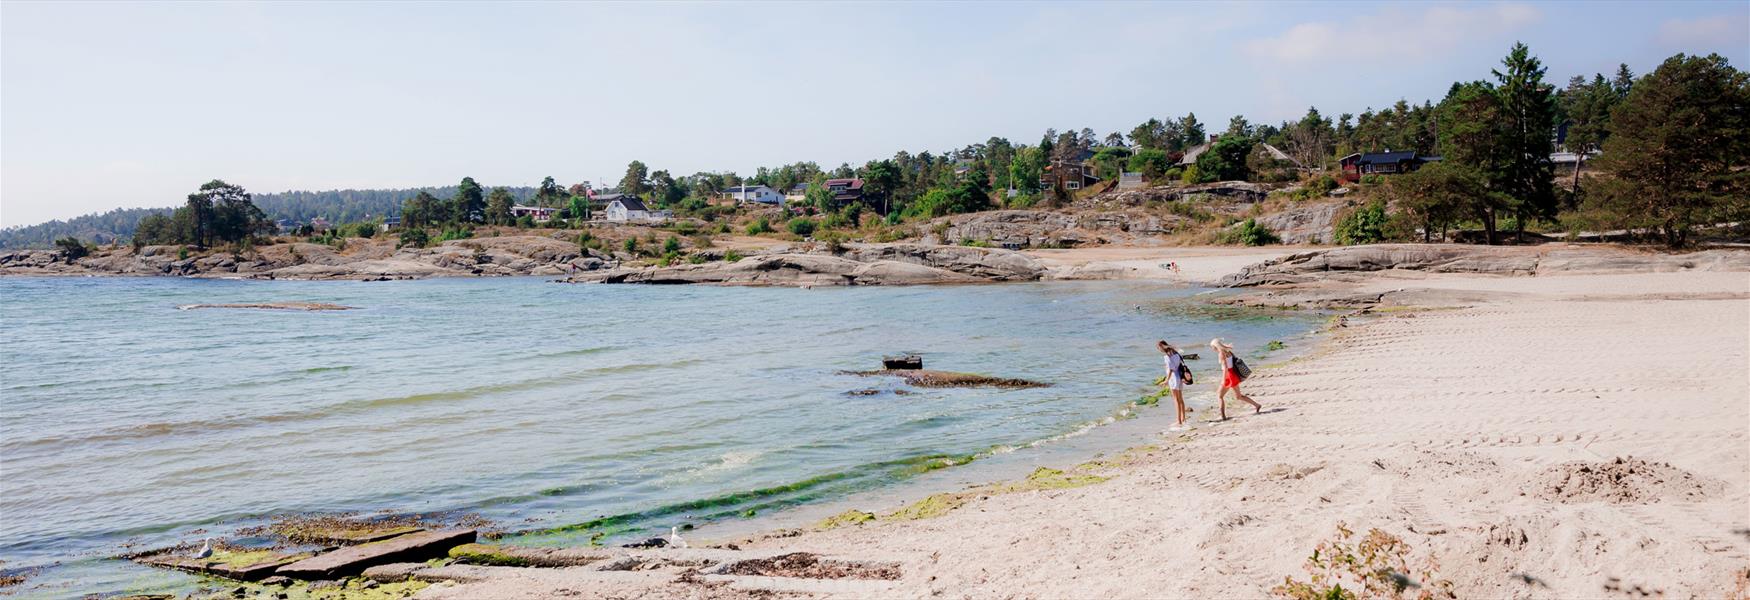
<point x="136" y="104"/>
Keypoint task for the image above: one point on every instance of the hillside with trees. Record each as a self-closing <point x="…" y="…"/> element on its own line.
<point x="1668" y="152"/>
<point x="335" y="206"/>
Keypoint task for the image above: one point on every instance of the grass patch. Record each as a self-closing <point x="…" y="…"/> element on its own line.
<point x="845" y="519"/>
<point x="934" y="506"/>
<point x="482" y="554"/>
<point x="1045" y="478"/>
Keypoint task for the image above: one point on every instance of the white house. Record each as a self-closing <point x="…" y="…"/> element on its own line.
<point x="755" y="193"/>
<point x="629" y="208"/>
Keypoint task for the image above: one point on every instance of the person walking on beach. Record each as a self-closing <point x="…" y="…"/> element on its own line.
<point x="1230" y="380"/>
<point x="1175" y="383"/>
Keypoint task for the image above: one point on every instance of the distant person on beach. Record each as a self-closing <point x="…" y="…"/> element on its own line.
<point x="1230" y="380"/>
<point x="1175" y="383"/>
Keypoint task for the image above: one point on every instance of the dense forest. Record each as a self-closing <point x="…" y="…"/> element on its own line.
<point x="337" y="206"/>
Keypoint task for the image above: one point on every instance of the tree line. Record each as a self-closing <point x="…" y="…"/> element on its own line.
<point x="1672" y="142"/>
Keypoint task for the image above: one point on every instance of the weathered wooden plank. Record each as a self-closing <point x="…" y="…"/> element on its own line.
<point x="353" y="560"/>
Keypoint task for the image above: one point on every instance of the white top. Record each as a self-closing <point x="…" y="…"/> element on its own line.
<point x="1173" y="362"/>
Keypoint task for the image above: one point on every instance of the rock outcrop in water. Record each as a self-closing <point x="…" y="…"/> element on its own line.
<point x="858" y="264"/>
<point x="360" y="259"/>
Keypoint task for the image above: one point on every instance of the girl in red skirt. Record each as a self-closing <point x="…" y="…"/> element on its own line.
<point x="1229" y="379"/>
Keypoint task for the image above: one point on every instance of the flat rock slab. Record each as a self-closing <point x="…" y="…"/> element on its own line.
<point x="308" y="306"/>
<point x="254" y="571"/>
<point x="343" y="535"/>
<point x="353" y="560"/>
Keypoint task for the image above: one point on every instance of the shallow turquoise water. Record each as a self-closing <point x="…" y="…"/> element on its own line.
<point x="537" y="405"/>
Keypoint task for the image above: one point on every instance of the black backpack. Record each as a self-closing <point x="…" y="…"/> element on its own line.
<point x="1240" y="368"/>
<point x="1184" y="372"/>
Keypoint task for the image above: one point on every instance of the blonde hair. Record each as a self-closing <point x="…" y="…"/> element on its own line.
<point x="1221" y="345"/>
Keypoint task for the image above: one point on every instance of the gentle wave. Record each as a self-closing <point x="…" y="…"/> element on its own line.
<point x="352" y="407"/>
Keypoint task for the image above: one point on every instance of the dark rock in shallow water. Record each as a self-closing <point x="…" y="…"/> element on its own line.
<point x="310" y="306"/>
<point x="654" y="542"/>
<point x="944" y="379"/>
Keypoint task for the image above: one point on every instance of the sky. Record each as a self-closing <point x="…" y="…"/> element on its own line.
<point x="135" y="104"/>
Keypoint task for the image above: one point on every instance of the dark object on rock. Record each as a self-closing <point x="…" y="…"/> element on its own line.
<point x="1189" y="356"/>
<point x="353" y="560"/>
<point x="654" y="542"/>
<point x="903" y="361"/>
<point x="277" y="580"/>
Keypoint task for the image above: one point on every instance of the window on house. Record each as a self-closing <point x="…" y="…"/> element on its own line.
<point x="1073" y="185"/>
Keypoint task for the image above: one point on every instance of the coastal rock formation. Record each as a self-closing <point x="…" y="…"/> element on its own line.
<point x="1496" y="260"/>
<point x="357" y="258"/>
<point x="859" y="264"/>
<point x="1308" y="223"/>
<point x="1053" y="229"/>
<point x="786" y="269"/>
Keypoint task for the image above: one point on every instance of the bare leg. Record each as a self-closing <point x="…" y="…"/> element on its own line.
<point x="1179" y="399"/>
<point x="1256" y="408"/>
<point x="1222" y="395"/>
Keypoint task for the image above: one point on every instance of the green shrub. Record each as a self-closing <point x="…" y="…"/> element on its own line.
<point x="685" y="228"/>
<point x="366" y="229"/>
<point x="1023" y="201"/>
<point x="893" y="218"/>
<point x="1365" y="225"/>
<point x="802" y="226"/>
<point x="72" y="249"/>
<point x="525" y="222"/>
<point x="1248" y="233"/>
<point x="631" y="246"/>
<point x="835" y="241"/>
<point x="975" y="243"/>
<point x="1373" y="179"/>
<point x="182" y="253"/>
<point x="1173" y="173"/>
<point x="732" y="256"/>
<point x="696" y="259"/>
<point x="671" y="245"/>
<point x="1190" y="175"/>
<point x="455" y="233"/>
<point x="415" y="237"/>
<point x="759" y="226"/>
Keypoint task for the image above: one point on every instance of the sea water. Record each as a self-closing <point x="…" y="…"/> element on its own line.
<point x="564" y="413"/>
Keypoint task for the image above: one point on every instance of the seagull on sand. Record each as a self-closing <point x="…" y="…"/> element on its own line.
<point x="674" y="538"/>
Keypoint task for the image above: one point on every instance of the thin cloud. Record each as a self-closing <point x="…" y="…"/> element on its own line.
<point x="1411" y="35"/>
<point x="1715" y="32"/>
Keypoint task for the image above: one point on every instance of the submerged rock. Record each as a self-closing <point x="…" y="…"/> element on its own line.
<point x="308" y="306"/>
<point x="944" y="379"/>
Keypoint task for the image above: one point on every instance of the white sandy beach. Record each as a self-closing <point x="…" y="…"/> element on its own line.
<point x="1483" y="427"/>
